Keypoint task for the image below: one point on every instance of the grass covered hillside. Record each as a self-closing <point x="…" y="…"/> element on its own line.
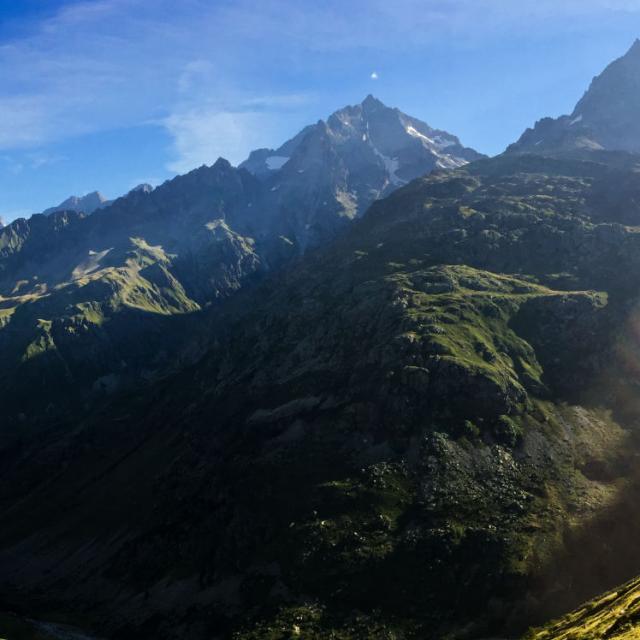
<point x="613" y="616"/>
<point x="90" y="304"/>
<point x="420" y="432"/>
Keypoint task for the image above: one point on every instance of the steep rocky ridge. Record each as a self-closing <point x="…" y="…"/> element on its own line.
<point x="90" y="303"/>
<point x="604" y="118"/>
<point x="86" y="204"/>
<point x="331" y="172"/>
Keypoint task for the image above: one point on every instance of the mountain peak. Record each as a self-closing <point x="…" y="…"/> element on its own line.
<point x="96" y="195"/>
<point x="361" y="153"/>
<point x="635" y="48"/>
<point x="87" y="203"/>
<point x="222" y="164"/>
<point x="371" y="102"/>
<point x="144" y="187"/>
<point x="604" y="118"/>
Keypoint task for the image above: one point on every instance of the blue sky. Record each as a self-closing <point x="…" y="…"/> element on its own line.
<point x="105" y="94"/>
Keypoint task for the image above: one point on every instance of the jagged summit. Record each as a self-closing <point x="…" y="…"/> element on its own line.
<point x="371" y="102"/>
<point x="368" y="122"/>
<point x="85" y="204"/>
<point x="144" y="187"/>
<point x="606" y="117"/>
<point x="338" y="167"/>
<point x="635" y="47"/>
<point x="222" y="163"/>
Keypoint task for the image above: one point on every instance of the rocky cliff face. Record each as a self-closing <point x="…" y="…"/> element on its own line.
<point x="331" y="172"/>
<point x="81" y="204"/>
<point x="605" y="117"/>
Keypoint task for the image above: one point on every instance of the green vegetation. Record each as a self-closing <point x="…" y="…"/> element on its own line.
<point x="398" y="438"/>
<point x="613" y="616"/>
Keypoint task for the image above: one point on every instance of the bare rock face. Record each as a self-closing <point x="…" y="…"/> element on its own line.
<point x="331" y="172"/>
<point x="85" y="204"/>
<point x="605" y="118"/>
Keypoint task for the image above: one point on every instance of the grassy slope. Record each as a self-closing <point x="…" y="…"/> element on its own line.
<point x="613" y="616"/>
<point x="378" y="443"/>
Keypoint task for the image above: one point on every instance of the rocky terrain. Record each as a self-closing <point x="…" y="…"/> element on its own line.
<point x="91" y="303"/>
<point x="422" y="425"/>
<point x="86" y="204"/>
<point x="605" y="117"/>
<point x="415" y="417"/>
<point x="331" y="172"/>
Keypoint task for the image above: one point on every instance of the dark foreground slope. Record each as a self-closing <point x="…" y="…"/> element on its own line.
<point x="428" y="429"/>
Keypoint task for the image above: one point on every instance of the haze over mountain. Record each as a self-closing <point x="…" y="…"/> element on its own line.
<point x="368" y="384"/>
<point x="85" y="204"/>
<point x="90" y="202"/>
<point x="605" y="118"/>
<point x="192" y="241"/>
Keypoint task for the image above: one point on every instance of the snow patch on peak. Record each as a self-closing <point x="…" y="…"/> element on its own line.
<point x="391" y="165"/>
<point x="416" y="134"/>
<point x="90" y="264"/>
<point x="576" y="120"/>
<point x="450" y="162"/>
<point x="442" y="143"/>
<point x="438" y="141"/>
<point x="276" y="162"/>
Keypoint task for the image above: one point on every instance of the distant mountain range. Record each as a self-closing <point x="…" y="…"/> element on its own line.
<point x="333" y="170"/>
<point x="90" y="202"/>
<point x="87" y="204"/>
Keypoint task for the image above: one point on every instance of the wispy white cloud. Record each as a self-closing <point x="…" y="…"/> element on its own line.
<point x="201" y="135"/>
<point x="12" y="164"/>
<point x="16" y="163"/>
<point x="108" y="64"/>
<point x="37" y="159"/>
